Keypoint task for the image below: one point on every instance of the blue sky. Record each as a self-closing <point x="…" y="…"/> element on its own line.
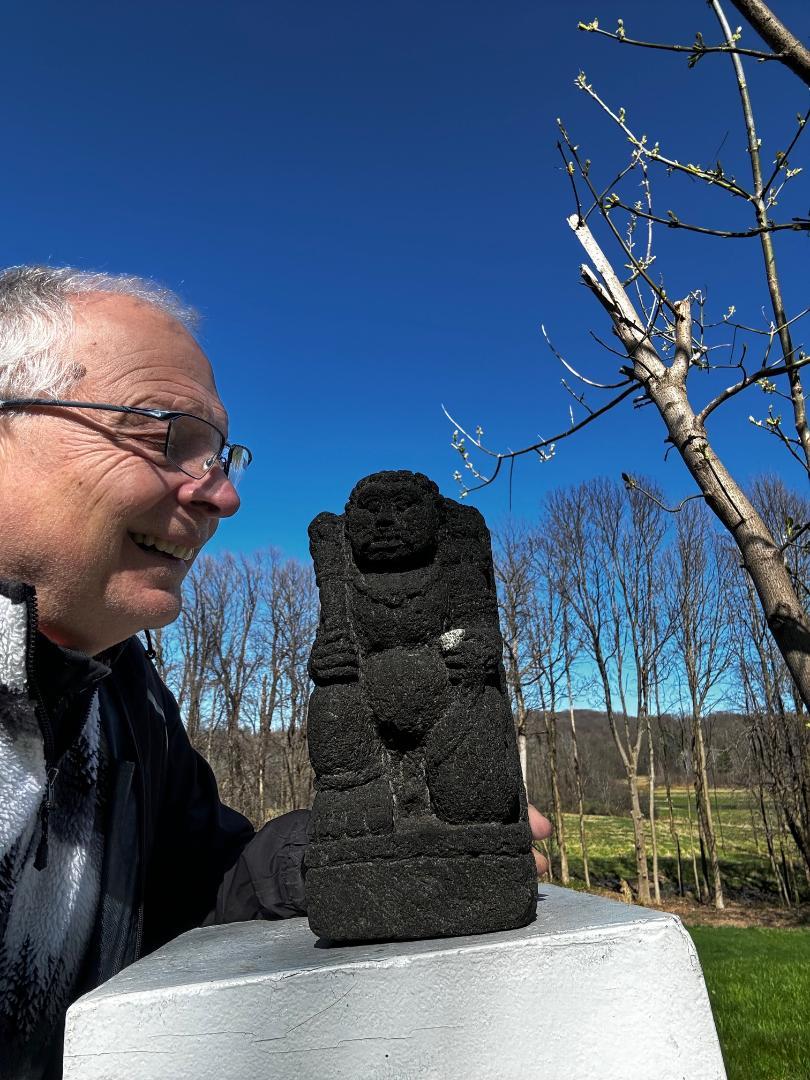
<point x="366" y="202"/>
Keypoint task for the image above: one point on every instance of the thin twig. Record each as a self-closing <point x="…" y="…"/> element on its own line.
<point x="569" y="168"/>
<point x="582" y="378"/>
<point x="792" y="539"/>
<point x="783" y="158"/>
<point x="632" y="484"/>
<point x="696" y="49"/>
<point x="654" y="154"/>
<point x="768" y="254"/>
<point x="580" y="398"/>
<point x="510" y="455"/>
<point x="673" y="222"/>
<point x="581" y="224"/>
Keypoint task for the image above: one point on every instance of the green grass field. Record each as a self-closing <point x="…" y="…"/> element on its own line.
<point x="759" y="986"/>
<point x="744" y="861"/>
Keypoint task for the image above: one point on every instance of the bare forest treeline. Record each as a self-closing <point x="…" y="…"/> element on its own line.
<point x="609" y="599"/>
<point x="644" y="612"/>
<point x="236" y="660"/>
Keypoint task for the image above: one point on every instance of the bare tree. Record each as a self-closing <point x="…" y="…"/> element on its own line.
<point x="235" y="589"/>
<point x="590" y="522"/>
<point x="515" y="583"/>
<point x="195" y="635"/>
<point x="548" y="658"/>
<point x="568" y="661"/>
<point x="779" y="733"/>
<point x="663" y="343"/>
<point x="296" y="599"/>
<point x="700" y="640"/>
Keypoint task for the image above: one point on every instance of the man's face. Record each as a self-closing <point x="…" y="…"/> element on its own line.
<point x="76" y="486"/>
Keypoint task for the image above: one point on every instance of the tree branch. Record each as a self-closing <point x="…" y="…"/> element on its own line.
<point x="683" y="340"/>
<point x="749" y="380"/>
<point x="582" y="378"/>
<point x="673" y="222"/>
<point x="696" y="50"/>
<point x="793" y="54"/>
<point x="768" y="254"/>
<point x="536" y="447"/>
<point x="632" y="484"/>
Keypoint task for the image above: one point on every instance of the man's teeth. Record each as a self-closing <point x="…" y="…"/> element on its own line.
<point x="184" y="553"/>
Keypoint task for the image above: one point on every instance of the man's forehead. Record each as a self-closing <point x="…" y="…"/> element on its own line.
<point x="132" y="349"/>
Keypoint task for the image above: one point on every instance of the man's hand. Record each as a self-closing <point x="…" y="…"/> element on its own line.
<point x="541" y="830"/>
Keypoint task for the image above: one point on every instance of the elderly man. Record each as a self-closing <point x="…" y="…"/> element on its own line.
<point x="115" y="469"/>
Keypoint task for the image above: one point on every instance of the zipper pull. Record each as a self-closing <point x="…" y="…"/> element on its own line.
<point x="41" y="859"/>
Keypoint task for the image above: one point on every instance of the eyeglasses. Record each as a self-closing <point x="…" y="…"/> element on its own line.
<point x="194" y="445"/>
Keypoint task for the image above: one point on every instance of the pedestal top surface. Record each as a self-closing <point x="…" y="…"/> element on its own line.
<point x="241" y="952"/>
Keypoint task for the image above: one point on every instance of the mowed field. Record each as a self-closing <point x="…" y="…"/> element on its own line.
<point x="745" y="866"/>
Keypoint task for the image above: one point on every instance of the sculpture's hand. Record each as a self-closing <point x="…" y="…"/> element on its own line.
<point x="470" y="654"/>
<point x="334" y="655"/>
<point x="541" y="830"/>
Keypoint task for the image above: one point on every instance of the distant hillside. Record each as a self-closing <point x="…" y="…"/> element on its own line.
<point x="603" y="774"/>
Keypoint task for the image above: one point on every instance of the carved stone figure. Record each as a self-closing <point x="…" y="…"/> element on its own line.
<point x="419" y="826"/>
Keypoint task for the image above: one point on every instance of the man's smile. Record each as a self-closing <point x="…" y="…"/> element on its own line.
<point x="155" y="546"/>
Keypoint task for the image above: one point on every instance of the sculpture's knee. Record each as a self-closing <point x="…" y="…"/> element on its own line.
<point x="359" y="811"/>
<point x="343" y="741"/>
<point x="469" y="761"/>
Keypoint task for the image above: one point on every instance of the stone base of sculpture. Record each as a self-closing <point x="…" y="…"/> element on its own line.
<point x="477" y="879"/>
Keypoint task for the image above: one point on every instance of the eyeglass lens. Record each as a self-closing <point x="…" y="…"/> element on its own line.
<point x="194" y="445"/>
<point x="238" y="460"/>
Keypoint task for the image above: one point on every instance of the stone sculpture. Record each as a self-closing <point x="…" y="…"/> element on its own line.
<point x="419" y="826"/>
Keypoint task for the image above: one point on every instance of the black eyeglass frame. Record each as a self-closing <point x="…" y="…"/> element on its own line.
<point x="169" y="415"/>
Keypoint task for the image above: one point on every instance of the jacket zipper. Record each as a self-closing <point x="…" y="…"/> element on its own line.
<point x="48" y="745"/>
<point x="123" y="712"/>
<point x="48" y="742"/>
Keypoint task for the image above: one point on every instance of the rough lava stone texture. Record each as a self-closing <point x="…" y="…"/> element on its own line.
<point x="419" y="827"/>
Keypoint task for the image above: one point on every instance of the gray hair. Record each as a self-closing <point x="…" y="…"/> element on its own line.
<point x="36" y="323"/>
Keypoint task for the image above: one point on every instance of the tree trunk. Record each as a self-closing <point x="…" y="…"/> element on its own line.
<point x="780" y="883"/>
<point x="666" y="388"/>
<point x="578" y="778"/>
<point x="638" y="837"/>
<point x="704" y="805"/>
<point x="653" y="833"/>
<point x="523" y="754"/>
<point x="550" y="719"/>
<point x="698" y="888"/>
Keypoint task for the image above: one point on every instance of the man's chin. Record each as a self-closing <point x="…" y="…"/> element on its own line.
<point x="157" y="619"/>
<point x="153" y="610"/>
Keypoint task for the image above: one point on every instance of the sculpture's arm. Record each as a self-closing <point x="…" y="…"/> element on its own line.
<point x="472" y="643"/>
<point x="334" y="653"/>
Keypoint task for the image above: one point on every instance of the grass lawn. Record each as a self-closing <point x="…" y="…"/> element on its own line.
<point x="759" y="986"/>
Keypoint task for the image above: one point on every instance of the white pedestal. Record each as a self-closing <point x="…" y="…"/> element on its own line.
<point x="593" y="990"/>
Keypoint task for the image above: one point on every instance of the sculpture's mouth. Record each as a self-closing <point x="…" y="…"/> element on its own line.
<point x="386" y="543"/>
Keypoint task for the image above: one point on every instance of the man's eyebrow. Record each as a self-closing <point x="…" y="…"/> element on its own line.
<point x="218" y="418"/>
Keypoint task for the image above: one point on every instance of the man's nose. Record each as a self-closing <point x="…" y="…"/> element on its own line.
<point x="214" y="493"/>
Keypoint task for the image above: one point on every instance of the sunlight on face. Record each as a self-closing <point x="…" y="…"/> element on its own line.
<point x="90" y="495"/>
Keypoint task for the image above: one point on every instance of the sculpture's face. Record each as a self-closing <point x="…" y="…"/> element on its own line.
<point x="392" y="522"/>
